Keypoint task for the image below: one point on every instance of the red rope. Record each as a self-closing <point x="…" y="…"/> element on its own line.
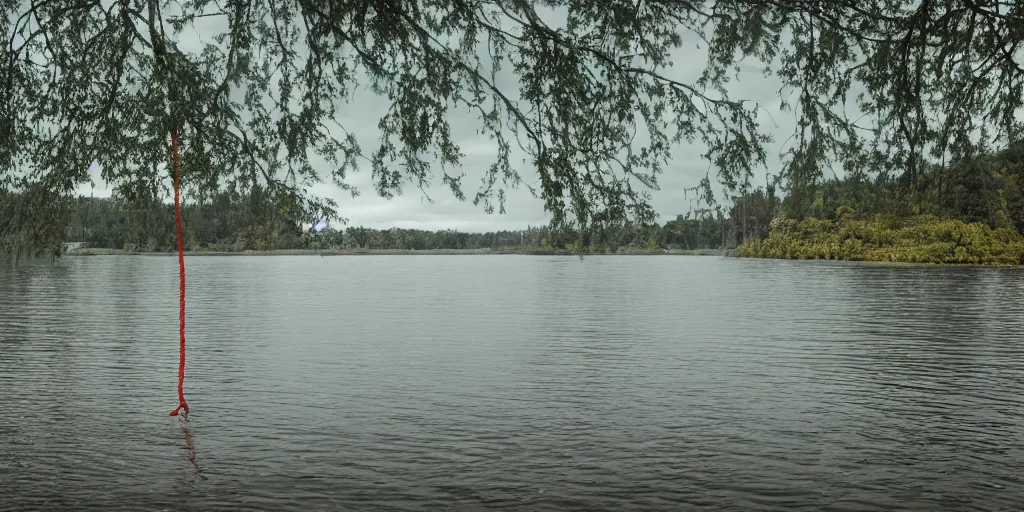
<point x="182" y="404"/>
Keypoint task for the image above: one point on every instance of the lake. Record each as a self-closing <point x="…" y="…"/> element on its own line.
<point x="511" y="382"/>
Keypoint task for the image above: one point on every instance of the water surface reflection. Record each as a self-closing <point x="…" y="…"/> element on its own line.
<point x="525" y="383"/>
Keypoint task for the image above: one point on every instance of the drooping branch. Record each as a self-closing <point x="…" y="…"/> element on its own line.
<point x="588" y="101"/>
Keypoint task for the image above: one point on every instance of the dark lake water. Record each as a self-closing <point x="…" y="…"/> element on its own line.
<point x="511" y="382"/>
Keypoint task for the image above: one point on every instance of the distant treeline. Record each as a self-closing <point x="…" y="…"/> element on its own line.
<point x="831" y="219"/>
<point x="236" y="222"/>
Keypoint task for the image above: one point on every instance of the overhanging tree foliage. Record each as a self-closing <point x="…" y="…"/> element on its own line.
<point x="92" y="80"/>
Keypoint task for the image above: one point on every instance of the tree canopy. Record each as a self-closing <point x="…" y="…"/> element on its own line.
<point x="592" y="104"/>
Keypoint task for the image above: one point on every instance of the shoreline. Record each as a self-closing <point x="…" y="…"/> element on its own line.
<point x="396" y="252"/>
<point x="524" y="252"/>
<point x="894" y="264"/>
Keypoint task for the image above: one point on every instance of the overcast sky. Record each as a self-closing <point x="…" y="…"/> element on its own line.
<point x="412" y="210"/>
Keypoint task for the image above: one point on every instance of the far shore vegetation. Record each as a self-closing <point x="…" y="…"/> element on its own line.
<point x="251" y="224"/>
<point x="969" y="213"/>
<point x="87" y="251"/>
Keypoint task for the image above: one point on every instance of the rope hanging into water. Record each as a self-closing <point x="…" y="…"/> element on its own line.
<point x="182" y="404"/>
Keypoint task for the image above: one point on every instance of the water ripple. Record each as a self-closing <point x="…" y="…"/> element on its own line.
<point x="512" y="383"/>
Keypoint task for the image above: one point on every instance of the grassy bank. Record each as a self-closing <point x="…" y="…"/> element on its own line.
<point x="922" y="239"/>
<point x="358" y="252"/>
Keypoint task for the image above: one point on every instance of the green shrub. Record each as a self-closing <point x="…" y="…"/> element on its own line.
<point x="919" y="239"/>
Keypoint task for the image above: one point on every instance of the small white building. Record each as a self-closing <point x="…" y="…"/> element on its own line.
<point x="71" y="246"/>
